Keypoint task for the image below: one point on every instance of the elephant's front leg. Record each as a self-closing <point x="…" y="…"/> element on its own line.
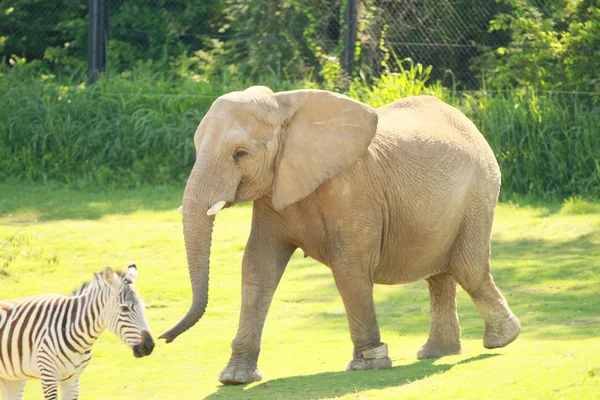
<point x="264" y="262"/>
<point x="356" y="289"/>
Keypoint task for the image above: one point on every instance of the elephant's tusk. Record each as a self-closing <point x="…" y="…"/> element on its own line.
<point x="216" y="207"/>
<point x="180" y="210"/>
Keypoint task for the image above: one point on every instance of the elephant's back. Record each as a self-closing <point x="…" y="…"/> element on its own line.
<point x="428" y="119"/>
<point x="424" y="126"/>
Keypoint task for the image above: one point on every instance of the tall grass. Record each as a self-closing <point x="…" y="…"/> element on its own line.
<point x="136" y="129"/>
<point x="409" y="80"/>
<point x="125" y="130"/>
<point x="546" y="145"/>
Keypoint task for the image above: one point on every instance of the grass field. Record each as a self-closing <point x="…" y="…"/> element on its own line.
<point x="546" y="260"/>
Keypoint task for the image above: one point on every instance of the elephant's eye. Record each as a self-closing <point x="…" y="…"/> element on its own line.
<point x="239" y="153"/>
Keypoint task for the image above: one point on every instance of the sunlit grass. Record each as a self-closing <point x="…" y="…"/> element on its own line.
<point x="546" y="260"/>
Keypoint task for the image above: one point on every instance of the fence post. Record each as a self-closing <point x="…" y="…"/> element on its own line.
<point x="350" y="17"/>
<point x="97" y="38"/>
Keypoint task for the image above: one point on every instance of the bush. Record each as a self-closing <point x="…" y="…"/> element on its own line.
<point x="406" y="79"/>
<point x="161" y="30"/>
<point x="138" y="127"/>
<point x="557" y="49"/>
<point x="547" y="145"/>
<point x="41" y="30"/>
<point x="126" y="130"/>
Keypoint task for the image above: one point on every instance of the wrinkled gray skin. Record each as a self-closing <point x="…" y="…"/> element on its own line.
<point x="388" y="196"/>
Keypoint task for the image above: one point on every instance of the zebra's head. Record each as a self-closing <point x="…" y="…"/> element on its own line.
<point x="125" y="313"/>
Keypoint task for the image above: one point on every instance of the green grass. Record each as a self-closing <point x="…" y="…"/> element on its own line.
<point x="546" y="260"/>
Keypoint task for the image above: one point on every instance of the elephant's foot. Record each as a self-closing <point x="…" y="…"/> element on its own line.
<point x="361" y="364"/>
<point x="376" y="358"/>
<point x="501" y="334"/>
<point x="237" y="374"/>
<point x="432" y="350"/>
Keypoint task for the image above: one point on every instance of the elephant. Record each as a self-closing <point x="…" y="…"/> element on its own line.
<point x="391" y="195"/>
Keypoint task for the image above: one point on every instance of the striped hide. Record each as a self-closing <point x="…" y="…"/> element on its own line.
<point x="50" y="337"/>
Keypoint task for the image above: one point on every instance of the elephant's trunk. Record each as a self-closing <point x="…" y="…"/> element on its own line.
<point x="197" y="231"/>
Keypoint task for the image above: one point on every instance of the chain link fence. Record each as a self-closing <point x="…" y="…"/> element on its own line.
<point x="447" y="34"/>
<point x="289" y="39"/>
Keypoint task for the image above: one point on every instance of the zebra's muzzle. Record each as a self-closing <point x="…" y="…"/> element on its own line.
<point x="145" y="347"/>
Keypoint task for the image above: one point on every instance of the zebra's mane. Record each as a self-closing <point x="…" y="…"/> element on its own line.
<point x="86" y="285"/>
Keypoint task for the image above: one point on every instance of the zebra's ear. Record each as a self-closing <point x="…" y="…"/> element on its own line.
<point x="108" y="275"/>
<point x="131" y="273"/>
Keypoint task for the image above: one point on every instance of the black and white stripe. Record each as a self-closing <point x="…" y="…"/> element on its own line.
<point x="50" y="337"/>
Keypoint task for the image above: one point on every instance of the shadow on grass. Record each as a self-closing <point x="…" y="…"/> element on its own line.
<point x="546" y="260"/>
<point x="57" y="202"/>
<point x="551" y="286"/>
<point x="335" y="384"/>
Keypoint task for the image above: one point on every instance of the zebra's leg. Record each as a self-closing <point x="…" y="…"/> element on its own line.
<point x="48" y="371"/>
<point x="49" y="384"/>
<point x="70" y="388"/>
<point x="11" y="390"/>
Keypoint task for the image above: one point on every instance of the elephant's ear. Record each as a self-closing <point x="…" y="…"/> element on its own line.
<point x="324" y="134"/>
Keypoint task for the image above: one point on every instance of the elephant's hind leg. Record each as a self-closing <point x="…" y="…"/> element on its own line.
<point x="444" y="332"/>
<point x="470" y="266"/>
<point x="501" y="325"/>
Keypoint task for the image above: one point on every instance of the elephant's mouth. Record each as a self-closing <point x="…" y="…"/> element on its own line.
<point x="231" y="204"/>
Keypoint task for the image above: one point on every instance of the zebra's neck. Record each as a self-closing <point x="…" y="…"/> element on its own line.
<point x="92" y="319"/>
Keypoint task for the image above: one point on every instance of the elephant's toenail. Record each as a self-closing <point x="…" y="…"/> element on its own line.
<point x="240" y="377"/>
<point x="226" y="377"/>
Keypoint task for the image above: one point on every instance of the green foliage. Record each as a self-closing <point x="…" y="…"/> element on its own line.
<point x="512" y="43"/>
<point x="546" y="145"/>
<point x="290" y="39"/>
<point x="555" y="50"/>
<point x="41" y="30"/>
<point x="250" y="38"/>
<point x="127" y="130"/>
<point x="439" y="33"/>
<point x="395" y="84"/>
<point x="161" y="30"/>
<point x="72" y="132"/>
<point x="137" y="127"/>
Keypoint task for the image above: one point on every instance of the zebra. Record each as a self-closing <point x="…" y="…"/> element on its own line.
<point x="50" y="337"/>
